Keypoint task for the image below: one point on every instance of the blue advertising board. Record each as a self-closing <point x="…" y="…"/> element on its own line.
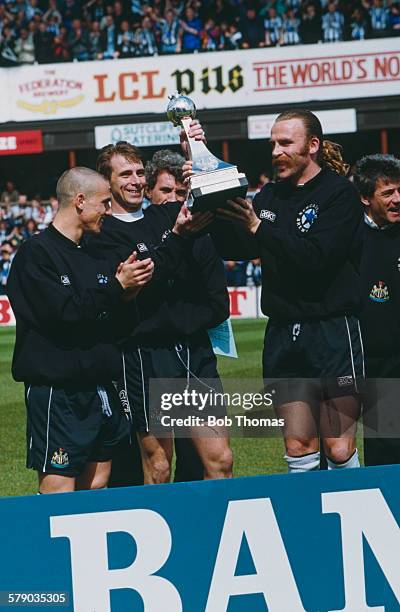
<point x="317" y="542"/>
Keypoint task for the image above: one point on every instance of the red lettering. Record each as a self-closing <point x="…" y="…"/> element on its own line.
<point x="394" y="66"/>
<point x="326" y="71"/>
<point x="101" y="78"/>
<point x="347" y="70"/>
<point x="150" y="93"/>
<point x="283" y="74"/>
<point x="5" y="312"/>
<point x="314" y="72"/>
<point x="234" y="295"/>
<point x="121" y="81"/>
<point x="387" y="67"/>
<point x="360" y="65"/>
<point x="299" y="73"/>
<point x="258" y="70"/>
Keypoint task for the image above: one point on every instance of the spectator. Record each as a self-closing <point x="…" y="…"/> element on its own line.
<point x="119" y="14"/>
<point x="3" y="230"/>
<point x="43" y="41"/>
<point x="253" y="273"/>
<point x="79" y="42"/>
<point x="192" y="27"/>
<point x="30" y="229"/>
<point x="310" y="27"/>
<point x="108" y="39"/>
<point x="290" y="28"/>
<point x="32" y="9"/>
<point x="144" y="38"/>
<point x="94" y="40"/>
<point x="235" y="273"/>
<point x="10" y="193"/>
<point x="94" y="10"/>
<point x="210" y="37"/>
<point x="332" y="24"/>
<point x="25" y="47"/>
<point x="394" y="19"/>
<point x="176" y="5"/>
<point x="59" y="48"/>
<point x="7" y="48"/>
<point x="7" y="253"/>
<point x="379" y="19"/>
<point x="359" y="25"/>
<point x="273" y="28"/>
<point x="170" y="33"/>
<point x="53" y="26"/>
<point x="16" y="237"/>
<point x="70" y="10"/>
<point x="252" y="29"/>
<point x="137" y="11"/>
<point x="53" y="13"/>
<point x="125" y="41"/>
<point x="221" y="12"/>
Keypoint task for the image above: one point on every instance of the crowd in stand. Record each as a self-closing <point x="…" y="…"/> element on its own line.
<point x="19" y="219"/>
<point x="46" y="31"/>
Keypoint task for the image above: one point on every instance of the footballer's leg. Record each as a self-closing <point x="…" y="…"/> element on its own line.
<point x="300" y="433"/>
<point x="95" y="475"/>
<point x="53" y="483"/>
<point x="156" y="457"/>
<point x="295" y="397"/>
<point x="344" y="380"/>
<point x="339" y="418"/>
<point x="212" y="445"/>
<point x="113" y="429"/>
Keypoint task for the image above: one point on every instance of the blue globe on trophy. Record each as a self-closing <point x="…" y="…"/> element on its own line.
<point x="214" y="181"/>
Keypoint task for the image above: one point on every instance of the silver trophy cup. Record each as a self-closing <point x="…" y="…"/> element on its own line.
<point x="214" y="181"/>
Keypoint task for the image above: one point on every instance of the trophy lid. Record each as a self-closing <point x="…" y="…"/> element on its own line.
<point x="180" y="107"/>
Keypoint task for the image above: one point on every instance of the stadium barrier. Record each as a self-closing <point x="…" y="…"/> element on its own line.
<point x="320" y="541"/>
<point x="244" y="304"/>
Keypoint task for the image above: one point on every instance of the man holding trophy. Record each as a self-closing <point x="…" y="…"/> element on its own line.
<point x="306" y="228"/>
<point x="170" y="341"/>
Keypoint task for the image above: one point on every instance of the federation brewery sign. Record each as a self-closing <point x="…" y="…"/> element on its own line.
<point x="48" y="92"/>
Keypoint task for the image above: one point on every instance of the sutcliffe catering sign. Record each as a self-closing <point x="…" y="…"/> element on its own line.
<point x="21" y="143"/>
<point x="342" y="121"/>
<point x="226" y="79"/>
<point x="154" y="134"/>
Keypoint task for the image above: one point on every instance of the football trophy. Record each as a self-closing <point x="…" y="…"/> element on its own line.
<point x="214" y="181"/>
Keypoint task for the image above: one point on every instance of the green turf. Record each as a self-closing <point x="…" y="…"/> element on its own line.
<point x="252" y="456"/>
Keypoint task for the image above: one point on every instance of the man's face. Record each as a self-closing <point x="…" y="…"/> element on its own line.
<point x="5" y="252"/>
<point x="94" y="208"/>
<point x="127" y="182"/>
<point x="291" y="151"/>
<point x="167" y="189"/>
<point x="383" y="206"/>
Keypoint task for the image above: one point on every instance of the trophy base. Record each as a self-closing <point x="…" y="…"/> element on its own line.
<point x="215" y="195"/>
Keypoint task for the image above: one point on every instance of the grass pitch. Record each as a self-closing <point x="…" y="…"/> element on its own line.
<point x="252" y="456"/>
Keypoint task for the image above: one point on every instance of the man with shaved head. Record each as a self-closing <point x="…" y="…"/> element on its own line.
<point x="70" y="309"/>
